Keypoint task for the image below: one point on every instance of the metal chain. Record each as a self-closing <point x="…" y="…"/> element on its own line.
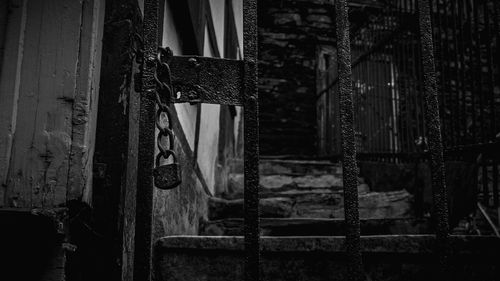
<point x="164" y="99"/>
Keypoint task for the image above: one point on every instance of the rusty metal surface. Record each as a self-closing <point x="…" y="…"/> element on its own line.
<point x="251" y="135"/>
<point x="166" y="176"/>
<point x="207" y="80"/>
<point x="434" y="136"/>
<point x="350" y="169"/>
<point x="147" y="117"/>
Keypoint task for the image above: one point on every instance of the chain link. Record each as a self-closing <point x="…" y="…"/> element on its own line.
<point x="164" y="98"/>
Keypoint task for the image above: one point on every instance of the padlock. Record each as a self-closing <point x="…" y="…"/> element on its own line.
<point x="167" y="176"/>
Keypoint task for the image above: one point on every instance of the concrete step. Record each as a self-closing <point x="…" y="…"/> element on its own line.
<point x="324" y="204"/>
<point x="290" y="167"/>
<point x="316" y="227"/>
<point x="270" y="184"/>
<point x="390" y="257"/>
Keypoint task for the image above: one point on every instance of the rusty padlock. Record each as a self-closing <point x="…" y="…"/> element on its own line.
<point x="167" y="176"/>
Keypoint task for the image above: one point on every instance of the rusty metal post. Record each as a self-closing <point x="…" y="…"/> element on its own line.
<point x="251" y="135"/>
<point x="434" y="136"/>
<point x="144" y="216"/>
<point x="350" y="170"/>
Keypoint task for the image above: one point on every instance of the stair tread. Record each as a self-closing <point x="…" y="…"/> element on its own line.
<point x="417" y="244"/>
<point x="317" y="227"/>
<point x="280" y="183"/>
<point x="318" y="205"/>
<point x="385" y="257"/>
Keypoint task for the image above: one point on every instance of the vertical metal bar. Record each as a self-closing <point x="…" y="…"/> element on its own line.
<point x="435" y="141"/>
<point x="495" y="185"/>
<point x="440" y="49"/>
<point x="144" y="216"/>
<point x="463" y="111"/>
<point x="390" y="76"/>
<point x="421" y="80"/>
<point x="478" y="70"/>
<point x="446" y="77"/>
<point x="458" y="81"/>
<point x="355" y="269"/>
<point x="251" y="135"/>
<point x="491" y="79"/>
<point x="485" y="178"/>
<point x="404" y="70"/>
<point x="496" y="30"/>
<point x="383" y="103"/>
<point x="414" y="78"/>
<point x="472" y="69"/>
<point x="369" y="127"/>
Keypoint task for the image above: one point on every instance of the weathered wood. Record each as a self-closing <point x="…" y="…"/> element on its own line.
<point x="51" y="115"/>
<point x="116" y="144"/>
<point x="9" y="86"/>
<point x="86" y="96"/>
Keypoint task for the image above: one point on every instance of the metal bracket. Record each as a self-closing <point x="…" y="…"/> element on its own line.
<point x="207" y="80"/>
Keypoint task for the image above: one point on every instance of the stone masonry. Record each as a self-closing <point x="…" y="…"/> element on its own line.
<point x="290" y="33"/>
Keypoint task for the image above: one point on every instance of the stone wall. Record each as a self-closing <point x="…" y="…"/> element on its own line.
<point x="290" y="33"/>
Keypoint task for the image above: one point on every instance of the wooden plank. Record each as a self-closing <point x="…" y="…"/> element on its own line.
<point x="84" y="116"/>
<point x="18" y="174"/>
<point x="9" y="86"/>
<point x="38" y="173"/>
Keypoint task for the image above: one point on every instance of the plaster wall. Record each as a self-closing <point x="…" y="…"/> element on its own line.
<point x="178" y="211"/>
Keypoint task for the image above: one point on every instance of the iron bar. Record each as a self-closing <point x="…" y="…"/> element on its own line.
<point x="435" y="141"/>
<point x="353" y="249"/>
<point x="484" y="181"/>
<point x="446" y="77"/>
<point x="392" y="109"/>
<point x="145" y="162"/>
<point x="421" y="89"/>
<point x="491" y="79"/>
<point x="251" y="136"/>
<point x="404" y="76"/>
<point x="472" y="75"/>
<point x="437" y="25"/>
<point x="414" y="79"/>
<point x="463" y="119"/>
<point x="389" y="79"/>
<point x="478" y="69"/>
<point x="495" y="186"/>
<point x="458" y="81"/>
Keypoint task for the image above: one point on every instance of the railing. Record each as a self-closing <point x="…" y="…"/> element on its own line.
<point x="399" y="96"/>
<point x="388" y="85"/>
<point x="388" y="80"/>
<point x="199" y="80"/>
<point x="395" y="85"/>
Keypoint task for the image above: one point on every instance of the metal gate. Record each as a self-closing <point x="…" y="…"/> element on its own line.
<point x="237" y="85"/>
<point x="388" y="80"/>
<point x="197" y="79"/>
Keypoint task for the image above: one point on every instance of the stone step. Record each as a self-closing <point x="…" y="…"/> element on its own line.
<point x="388" y="257"/>
<point x="316" y="227"/>
<point x="299" y="167"/>
<point x="372" y="205"/>
<point x="281" y="183"/>
<point x="291" y="167"/>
